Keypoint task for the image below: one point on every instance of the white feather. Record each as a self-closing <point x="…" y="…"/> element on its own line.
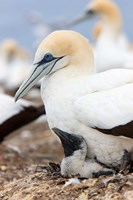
<point x="9" y="108"/>
<point x="74" y="105"/>
<point x="106" y="109"/>
<point x="112" y="53"/>
<point x="72" y="181"/>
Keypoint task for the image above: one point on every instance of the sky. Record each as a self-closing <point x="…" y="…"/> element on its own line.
<point x="14" y="15"/>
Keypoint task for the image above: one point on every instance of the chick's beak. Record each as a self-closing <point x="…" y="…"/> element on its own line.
<point x="64" y="136"/>
<point x="65" y="140"/>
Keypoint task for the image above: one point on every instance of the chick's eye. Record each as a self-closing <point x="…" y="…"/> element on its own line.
<point x="48" y="57"/>
<point x="73" y="141"/>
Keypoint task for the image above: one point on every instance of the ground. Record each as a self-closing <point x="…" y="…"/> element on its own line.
<point x="35" y="145"/>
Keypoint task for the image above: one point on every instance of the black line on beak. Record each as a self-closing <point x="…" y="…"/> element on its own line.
<point x="31" y="81"/>
<point x="40" y="72"/>
<point x="54" y="64"/>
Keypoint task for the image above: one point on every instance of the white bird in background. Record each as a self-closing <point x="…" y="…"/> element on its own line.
<point x="96" y="106"/>
<point x="14" y="64"/>
<point x="41" y="28"/>
<point x="14" y="116"/>
<point x="112" y="48"/>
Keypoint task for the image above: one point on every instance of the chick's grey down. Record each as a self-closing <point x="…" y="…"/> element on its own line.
<point x="75" y="161"/>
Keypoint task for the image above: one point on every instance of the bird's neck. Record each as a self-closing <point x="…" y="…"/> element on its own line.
<point x="112" y="24"/>
<point x="64" y="80"/>
<point x="71" y="71"/>
<point x="79" y="156"/>
<point x="109" y="34"/>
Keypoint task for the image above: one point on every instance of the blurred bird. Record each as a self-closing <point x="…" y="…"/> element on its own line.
<point x="97" y="106"/>
<point x="97" y="30"/>
<point x="40" y="28"/>
<point x="14" y="64"/>
<point x="75" y="161"/>
<point x="112" y="48"/>
<point x="14" y="116"/>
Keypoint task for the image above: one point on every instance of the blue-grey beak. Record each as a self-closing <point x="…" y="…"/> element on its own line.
<point x="40" y="70"/>
<point x="36" y="74"/>
<point x="88" y="14"/>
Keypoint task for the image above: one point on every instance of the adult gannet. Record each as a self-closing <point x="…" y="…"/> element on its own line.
<point x="80" y="101"/>
<point x="111" y="47"/>
<point x="14" y="116"/>
<point x="75" y="161"/>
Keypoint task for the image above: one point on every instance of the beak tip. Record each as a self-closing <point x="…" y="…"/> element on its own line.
<point x="17" y="97"/>
<point x="55" y="130"/>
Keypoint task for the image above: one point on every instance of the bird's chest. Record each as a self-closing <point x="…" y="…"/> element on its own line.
<point x="58" y="102"/>
<point x="59" y="113"/>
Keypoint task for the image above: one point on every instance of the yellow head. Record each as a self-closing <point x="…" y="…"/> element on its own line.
<point x="61" y="49"/>
<point x="107" y="10"/>
<point x="66" y="44"/>
<point x="11" y="49"/>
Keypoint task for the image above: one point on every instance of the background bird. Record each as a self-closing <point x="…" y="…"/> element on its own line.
<point x="15" y="63"/>
<point x="112" y="48"/>
<point x="41" y="28"/>
<point x="14" y="116"/>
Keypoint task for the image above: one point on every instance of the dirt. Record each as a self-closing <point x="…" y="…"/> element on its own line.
<point x="22" y="178"/>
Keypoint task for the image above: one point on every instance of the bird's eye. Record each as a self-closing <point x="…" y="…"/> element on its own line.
<point x="48" y="57"/>
<point x="90" y="12"/>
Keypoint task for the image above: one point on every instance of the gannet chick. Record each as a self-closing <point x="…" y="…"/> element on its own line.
<point x="97" y="106"/>
<point x="75" y="161"/>
<point x="112" y="46"/>
<point x="126" y="163"/>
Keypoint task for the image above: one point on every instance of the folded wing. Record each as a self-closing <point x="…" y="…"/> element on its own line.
<point x="110" y="111"/>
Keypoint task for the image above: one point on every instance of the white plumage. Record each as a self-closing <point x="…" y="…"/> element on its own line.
<point x="8" y="108"/>
<point x="112" y="48"/>
<point x="77" y="100"/>
<point x="14" y="64"/>
<point x="106" y="109"/>
<point x="14" y="116"/>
